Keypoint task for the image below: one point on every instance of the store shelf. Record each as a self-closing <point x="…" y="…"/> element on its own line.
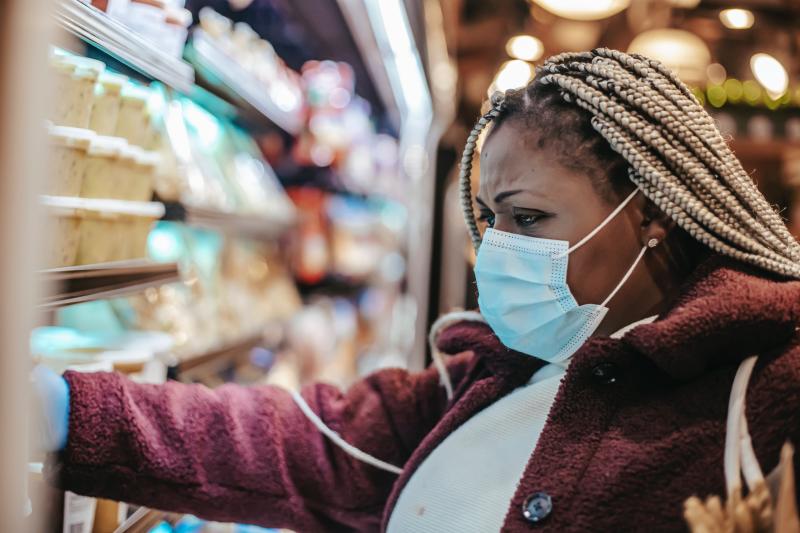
<point x="332" y="285"/>
<point x="222" y="75"/>
<point x="143" y="520"/>
<point x="125" y="46"/>
<point x="93" y="282"/>
<point x="241" y="225"/>
<point x="200" y="365"/>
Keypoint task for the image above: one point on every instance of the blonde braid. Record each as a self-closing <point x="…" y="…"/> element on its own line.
<point x="697" y="177"/>
<point x="656" y="108"/>
<point x="676" y="154"/>
<point x="465" y="184"/>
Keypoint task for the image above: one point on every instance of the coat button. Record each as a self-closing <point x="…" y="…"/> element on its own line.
<point x="537" y="507"/>
<point x="605" y="373"/>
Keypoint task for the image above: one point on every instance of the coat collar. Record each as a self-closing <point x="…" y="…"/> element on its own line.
<point x="725" y="311"/>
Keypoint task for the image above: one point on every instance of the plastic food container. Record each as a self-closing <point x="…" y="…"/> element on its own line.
<point x="128" y="352"/>
<point x="140" y="186"/>
<point x="69" y="148"/>
<point x="63" y="250"/>
<point x="103" y="177"/>
<point x="107" y="100"/>
<point x="176" y="30"/>
<point x="133" y="122"/>
<point x="62" y="70"/>
<point x="79" y="93"/>
<point x="129" y="171"/>
<point x="92" y="231"/>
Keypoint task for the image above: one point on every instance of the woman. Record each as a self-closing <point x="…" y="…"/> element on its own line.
<point x="602" y="181"/>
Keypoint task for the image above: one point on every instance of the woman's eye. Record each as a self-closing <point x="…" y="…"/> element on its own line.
<point x="525" y="221"/>
<point x="488" y="219"/>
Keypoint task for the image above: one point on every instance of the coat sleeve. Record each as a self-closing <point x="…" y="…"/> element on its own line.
<point x="248" y="454"/>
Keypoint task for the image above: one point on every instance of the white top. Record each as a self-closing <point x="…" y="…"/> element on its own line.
<point x="467" y="482"/>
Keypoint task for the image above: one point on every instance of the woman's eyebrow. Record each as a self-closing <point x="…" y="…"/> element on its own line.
<point x="505" y="194"/>
<point x="499" y="197"/>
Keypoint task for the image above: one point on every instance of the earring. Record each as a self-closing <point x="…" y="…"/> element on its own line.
<point x="652" y="243"/>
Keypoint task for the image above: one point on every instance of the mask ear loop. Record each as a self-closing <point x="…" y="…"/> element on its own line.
<point x="602" y="225"/>
<point x="627" y="275"/>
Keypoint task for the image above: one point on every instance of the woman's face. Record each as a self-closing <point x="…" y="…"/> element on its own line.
<point x="524" y="189"/>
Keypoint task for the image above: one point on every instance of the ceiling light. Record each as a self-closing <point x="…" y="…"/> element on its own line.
<point x="736" y="19"/>
<point x="584" y="9"/>
<point x="716" y="73"/>
<point x="770" y="74"/>
<point x="679" y="50"/>
<point x="525" y="47"/>
<point x="512" y="75"/>
<point x="685" y="4"/>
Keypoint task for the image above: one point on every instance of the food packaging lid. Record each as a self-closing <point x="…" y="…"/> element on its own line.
<point x="71" y="137"/>
<point x="179" y="17"/>
<point x="61" y="62"/>
<point x="148" y="159"/>
<point x="72" y="206"/>
<point x="85" y="67"/>
<point x="129" y="153"/>
<point x="105" y="146"/>
<point x="134" y="93"/>
<point x="111" y="81"/>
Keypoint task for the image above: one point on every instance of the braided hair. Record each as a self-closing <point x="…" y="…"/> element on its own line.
<point x="654" y="134"/>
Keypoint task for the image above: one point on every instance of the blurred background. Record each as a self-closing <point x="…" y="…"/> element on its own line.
<point x="264" y="191"/>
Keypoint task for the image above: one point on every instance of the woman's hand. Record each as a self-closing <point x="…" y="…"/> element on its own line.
<point x="51" y="409"/>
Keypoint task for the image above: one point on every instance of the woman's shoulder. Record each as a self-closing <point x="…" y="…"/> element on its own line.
<point x="779" y="370"/>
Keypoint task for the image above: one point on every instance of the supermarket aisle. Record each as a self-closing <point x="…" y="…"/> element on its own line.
<point x="230" y="199"/>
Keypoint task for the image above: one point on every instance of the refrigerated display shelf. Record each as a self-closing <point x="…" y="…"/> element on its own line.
<point x="123" y="45"/>
<point x="332" y="285"/>
<point x="197" y="366"/>
<point x="223" y="76"/>
<point x="144" y="519"/>
<point x="242" y="225"/>
<point x="78" y="284"/>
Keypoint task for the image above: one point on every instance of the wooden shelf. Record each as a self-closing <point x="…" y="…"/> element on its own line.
<point x="85" y="283"/>
<point x="123" y="45"/>
<point x="222" y="75"/>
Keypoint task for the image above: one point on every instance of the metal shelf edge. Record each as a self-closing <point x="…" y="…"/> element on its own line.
<point x="115" y="39"/>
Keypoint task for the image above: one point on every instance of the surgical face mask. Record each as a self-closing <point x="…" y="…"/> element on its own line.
<point x="524" y="296"/>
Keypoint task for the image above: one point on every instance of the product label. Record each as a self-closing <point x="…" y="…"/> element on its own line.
<point x="78" y="513"/>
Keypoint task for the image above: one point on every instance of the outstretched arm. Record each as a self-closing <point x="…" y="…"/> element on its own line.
<point x="248" y="454"/>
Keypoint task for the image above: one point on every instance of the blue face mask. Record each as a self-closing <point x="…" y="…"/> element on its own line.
<point x="524" y="296"/>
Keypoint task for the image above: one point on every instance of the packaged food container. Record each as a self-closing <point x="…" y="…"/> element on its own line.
<point x="104" y="169"/>
<point x="145" y="14"/>
<point x="104" y="230"/>
<point x="80" y="92"/>
<point x="129" y="171"/>
<point x="79" y="510"/>
<point x="62" y="71"/>
<point x="65" y="231"/>
<point x="128" y="352"/>
<point x="69" y="148"/>
<point x="143" y="179"/>
<point x="176" y="30"/>
<point x="107" y="99"/>
<point x="133" y="122"/>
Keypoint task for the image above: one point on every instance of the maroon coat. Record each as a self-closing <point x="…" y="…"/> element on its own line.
<point x="638" y="424"/>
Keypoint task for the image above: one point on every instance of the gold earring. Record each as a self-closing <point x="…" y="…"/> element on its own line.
<point x="652" y="243"/>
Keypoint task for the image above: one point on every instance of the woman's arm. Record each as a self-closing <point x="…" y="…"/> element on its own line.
<point x="247" y="454"/>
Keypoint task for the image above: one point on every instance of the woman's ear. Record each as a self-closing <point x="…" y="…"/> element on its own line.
<point x="656" y="224"/>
